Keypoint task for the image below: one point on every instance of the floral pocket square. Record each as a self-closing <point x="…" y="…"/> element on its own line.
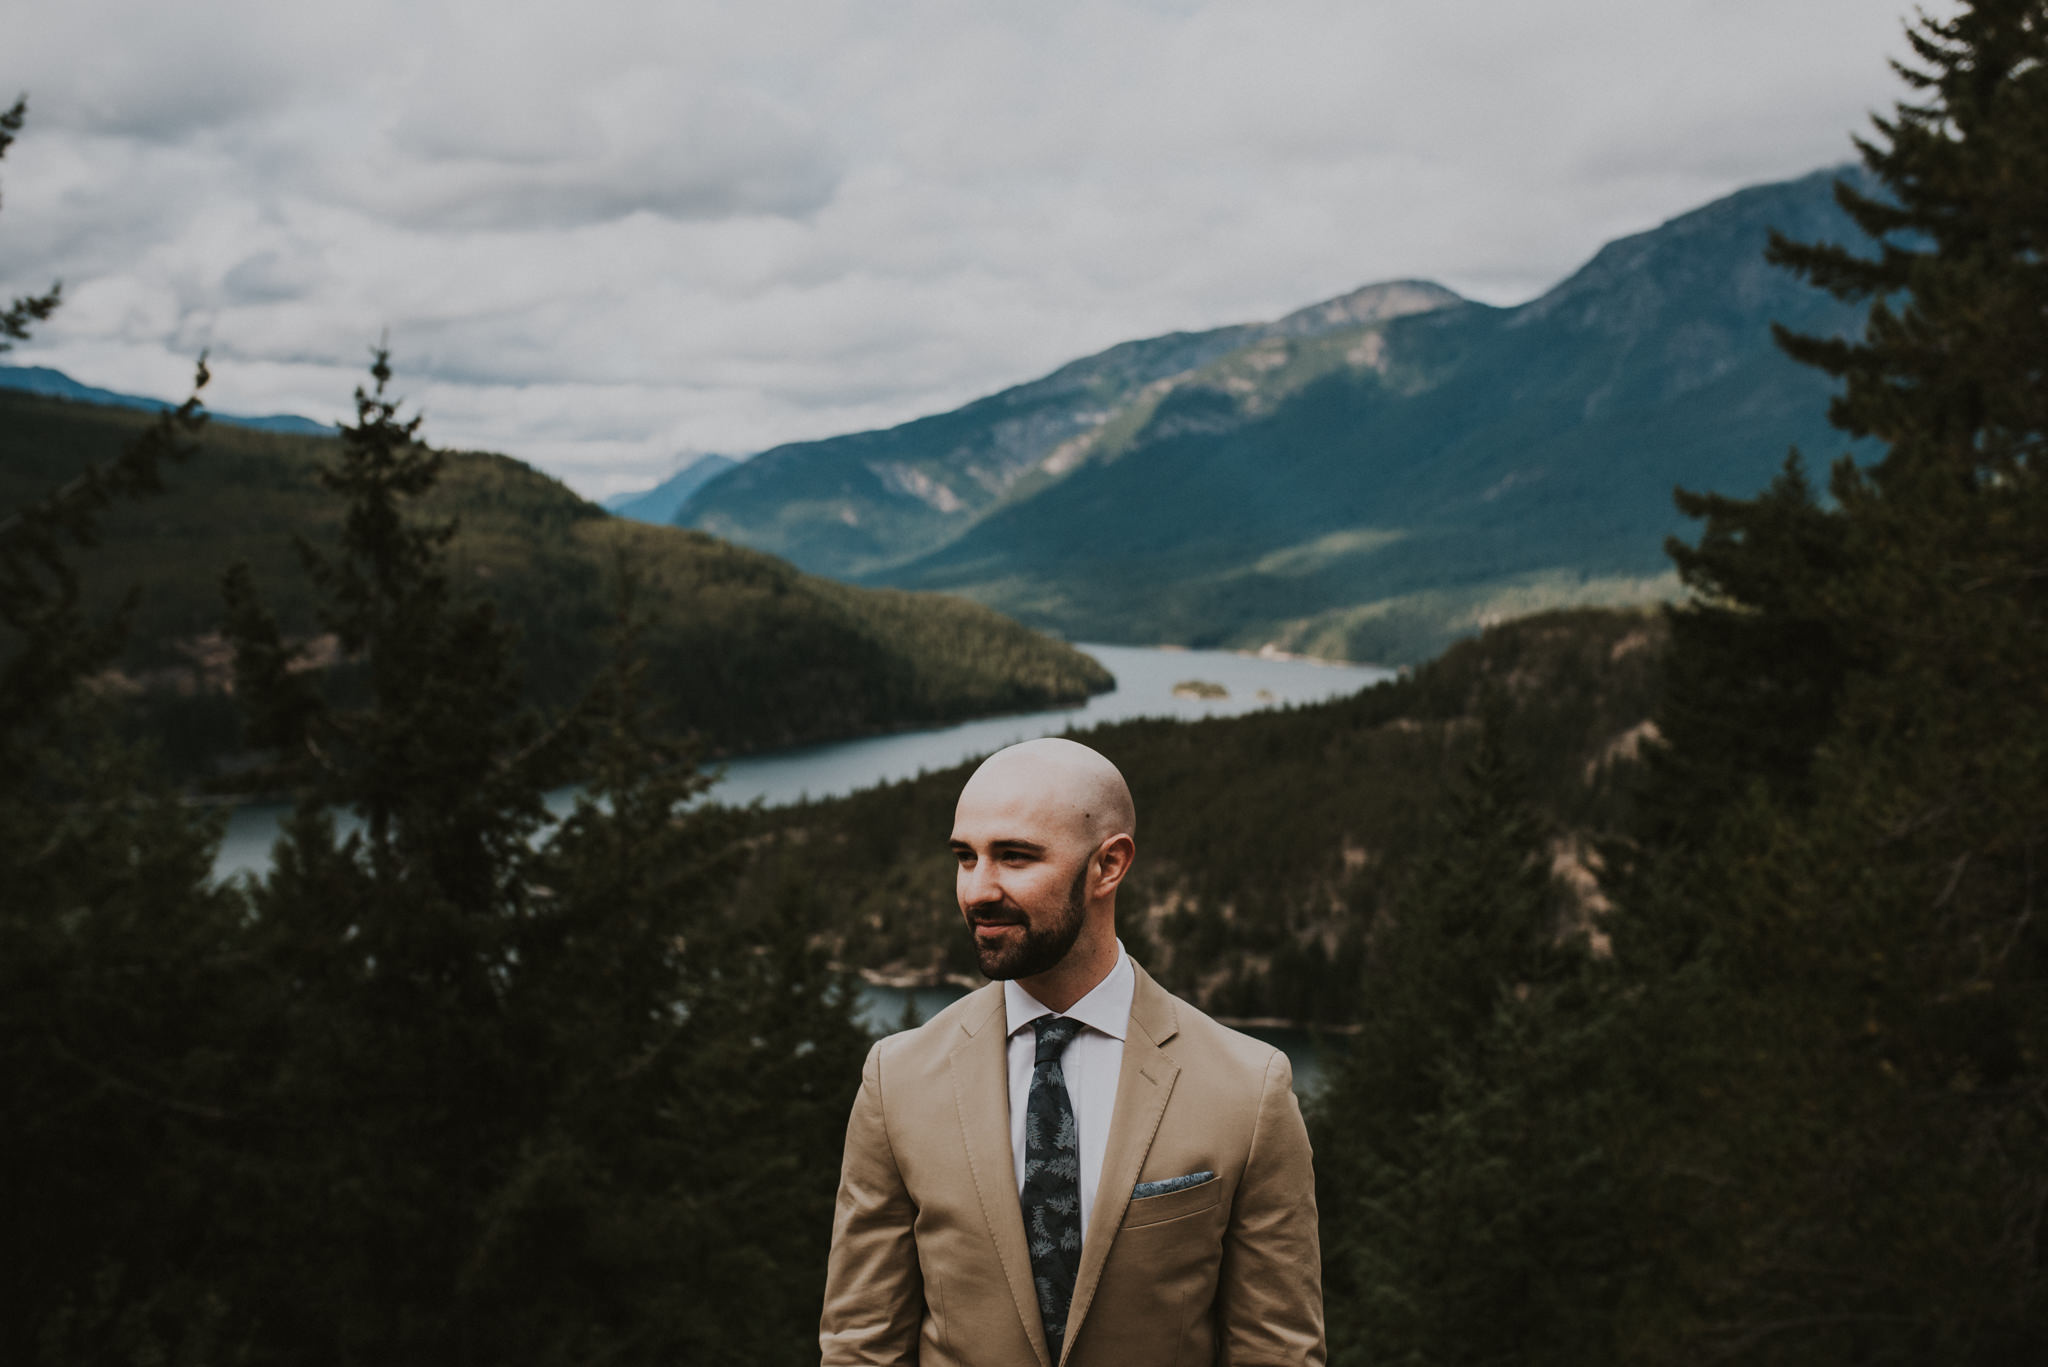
<point x="1160" y="1188"/>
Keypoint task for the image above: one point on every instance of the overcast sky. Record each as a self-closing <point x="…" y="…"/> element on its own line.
<point x="603" y="235"/>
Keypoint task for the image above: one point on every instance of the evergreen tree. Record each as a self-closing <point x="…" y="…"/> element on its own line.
<point x="685" y="1187"/>
<point x="1469" y="1207"/>
<point x="19" y="318"/>
<point x="117" y="971"/>
<point x="1833" y="907"/>
<point x="535" y="1098"/>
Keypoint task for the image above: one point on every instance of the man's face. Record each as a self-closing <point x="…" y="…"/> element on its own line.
<point x="1022" y="882"/>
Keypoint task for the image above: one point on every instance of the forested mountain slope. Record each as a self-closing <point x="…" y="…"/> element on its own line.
<point x="1474" y="463"/>
<point x="1367" y="483"/>
<point x="861" y="503"/>
<point x="1268" y="843"/>
<point x="743" y="648"/>
<point x="660" y="504"/>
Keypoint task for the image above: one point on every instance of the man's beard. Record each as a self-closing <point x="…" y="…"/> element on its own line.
<point x="1039" y="948"/>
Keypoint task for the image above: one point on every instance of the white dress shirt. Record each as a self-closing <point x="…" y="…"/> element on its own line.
<point x="1092" y="1062"/>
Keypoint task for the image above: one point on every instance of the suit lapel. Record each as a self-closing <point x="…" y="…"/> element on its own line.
<point x="981" y="1093"/>
<point x="1142" y="1087"/>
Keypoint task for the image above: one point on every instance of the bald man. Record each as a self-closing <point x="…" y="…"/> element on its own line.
<point x="1070" y="1165"/>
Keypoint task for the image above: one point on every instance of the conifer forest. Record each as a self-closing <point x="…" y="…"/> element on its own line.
<point x="1684" y="970"/>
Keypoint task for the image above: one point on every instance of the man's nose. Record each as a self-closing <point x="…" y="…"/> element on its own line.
<point x="978" y="883"/>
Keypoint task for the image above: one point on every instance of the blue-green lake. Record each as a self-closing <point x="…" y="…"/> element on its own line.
<point x="1146" y="679"/>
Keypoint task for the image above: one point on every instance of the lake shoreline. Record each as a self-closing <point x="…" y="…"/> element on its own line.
<point x="1145" y="678"/>
<point x="211" y="797"/>
<point x="206" y="796"/>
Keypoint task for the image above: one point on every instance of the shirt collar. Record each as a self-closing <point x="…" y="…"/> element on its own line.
<point x="1106" y="1008"/>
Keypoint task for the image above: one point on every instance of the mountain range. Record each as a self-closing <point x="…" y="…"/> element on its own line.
<point x="1366" y="478"/>
<point x="660" y="504"/>
<point x="740" y="647"/>
<point x="55" y="384"/>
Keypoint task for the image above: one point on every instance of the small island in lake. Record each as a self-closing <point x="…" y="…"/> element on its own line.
<point x="1199" y="688"/>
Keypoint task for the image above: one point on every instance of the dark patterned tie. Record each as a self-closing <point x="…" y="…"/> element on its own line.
<point x="1052" y="1180"/>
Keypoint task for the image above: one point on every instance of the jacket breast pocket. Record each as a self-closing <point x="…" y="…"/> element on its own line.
<point x="1161" y="1278"/>
<point x="1173" y="1205"/>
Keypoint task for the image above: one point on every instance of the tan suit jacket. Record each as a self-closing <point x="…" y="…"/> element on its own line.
<point x="928" y="1260"/>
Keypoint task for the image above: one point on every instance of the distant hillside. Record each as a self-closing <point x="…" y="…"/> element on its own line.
<point x="36" y="379"/>
<point x="1268" y="843"/>
<point x="660" y="504"/>
<point x="1368" y="482"/>
<point x="860" y="504"/>
<point x="744" y="649"/>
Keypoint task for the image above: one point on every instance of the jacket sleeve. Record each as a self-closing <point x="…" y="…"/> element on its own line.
<point x="874" y="1292"/>
<point x="1269" y="1294"/>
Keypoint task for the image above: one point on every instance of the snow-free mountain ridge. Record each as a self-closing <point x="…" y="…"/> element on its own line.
<point x="660" y="504"/>
<point x="861" y="503"/>
<point x="1368" y="477"/>
<point x="37" y="379"/>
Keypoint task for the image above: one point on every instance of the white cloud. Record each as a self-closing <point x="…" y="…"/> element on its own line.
<point x="599" y="235"/>
<point x="645" y="142"/>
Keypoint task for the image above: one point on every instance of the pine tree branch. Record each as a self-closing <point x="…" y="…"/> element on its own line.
<point x="134" y="1089"/>
<point x="27" y="309"/>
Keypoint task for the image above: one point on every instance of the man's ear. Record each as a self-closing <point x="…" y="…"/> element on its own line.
<point x="1112" y="861"/>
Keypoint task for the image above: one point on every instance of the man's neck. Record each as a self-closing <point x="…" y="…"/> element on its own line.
<point x="1074" y="977"/>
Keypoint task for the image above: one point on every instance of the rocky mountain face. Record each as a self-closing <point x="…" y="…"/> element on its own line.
<point x="1368" y="478"/>
<point x="860" y="504"/>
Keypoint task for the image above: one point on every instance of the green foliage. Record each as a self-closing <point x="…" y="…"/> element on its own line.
<point x="558" y="1104"/>
<point x="119" y="984"/>
<point x="744" y="650"/>
<point x="113" y="980"/>
<point x="1477" y="917"/>
<point x="1831" y="900"/>
<point x="446" y="1085"/>
<point x="1269" y="842"/>
<point x="42" y="599"/>
<point x="1756" y="671"/>
<point x="26" y="310"/>
<point x="1948" y="361"/>
<point x="438" y="758"/>
<point x="1470" y="1201"/>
